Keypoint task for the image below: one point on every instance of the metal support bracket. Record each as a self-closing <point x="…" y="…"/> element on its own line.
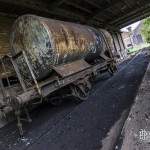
<point x="32" y="73"/>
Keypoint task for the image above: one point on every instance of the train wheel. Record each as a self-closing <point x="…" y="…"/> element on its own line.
<point x="81" y="91"/>
<point x="112" y="69"/>
<point x="56" y="101"/>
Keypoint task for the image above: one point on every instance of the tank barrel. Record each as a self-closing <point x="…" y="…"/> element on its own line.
<point x="49" y="42"/>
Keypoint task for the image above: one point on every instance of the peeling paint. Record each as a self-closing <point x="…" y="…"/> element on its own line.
<point x="50" y="42"/>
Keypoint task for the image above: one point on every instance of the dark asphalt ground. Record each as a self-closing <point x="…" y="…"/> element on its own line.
<point x="80" y="126"/>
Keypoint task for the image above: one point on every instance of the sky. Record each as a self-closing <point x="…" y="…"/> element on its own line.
<point x="134" y="25"/>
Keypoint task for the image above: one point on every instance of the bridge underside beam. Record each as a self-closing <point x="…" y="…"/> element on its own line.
<point x="98" y="13"/>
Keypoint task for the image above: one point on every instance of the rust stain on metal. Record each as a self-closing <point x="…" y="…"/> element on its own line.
<point x="50" y="42"/>
<point x="71" y="68"/>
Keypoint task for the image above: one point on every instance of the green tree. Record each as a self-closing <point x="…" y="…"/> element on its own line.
<point x="146" y="30"/>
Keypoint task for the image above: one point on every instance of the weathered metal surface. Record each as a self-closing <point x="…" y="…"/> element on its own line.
<point x="71" y="68"/>
<point x="50" y="42"/>
<point x="16" y="98"/>
<point x="52" y="84"/>
<point x="75" y="75"/>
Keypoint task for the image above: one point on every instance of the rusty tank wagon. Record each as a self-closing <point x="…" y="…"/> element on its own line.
<point x="50" y="42"/>
<point x="50" y="60"/>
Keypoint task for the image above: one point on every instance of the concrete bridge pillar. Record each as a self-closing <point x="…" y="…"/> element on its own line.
<point x="119" y="44"/>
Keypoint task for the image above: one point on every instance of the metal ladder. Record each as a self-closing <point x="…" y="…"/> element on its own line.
<point x="23" y="85"/>
<point x="18" y="110"/>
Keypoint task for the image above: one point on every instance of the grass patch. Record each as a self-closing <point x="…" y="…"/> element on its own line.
<point x="138" y="47"/>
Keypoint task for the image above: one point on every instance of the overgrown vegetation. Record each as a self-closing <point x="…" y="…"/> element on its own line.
<point x="146" y="30"/>
<point x="138" y="47"/>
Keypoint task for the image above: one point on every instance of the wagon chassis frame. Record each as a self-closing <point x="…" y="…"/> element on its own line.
<point x="77" y="74"/>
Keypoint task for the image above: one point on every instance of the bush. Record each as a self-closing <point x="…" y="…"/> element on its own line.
<point x="146" y="30"/>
